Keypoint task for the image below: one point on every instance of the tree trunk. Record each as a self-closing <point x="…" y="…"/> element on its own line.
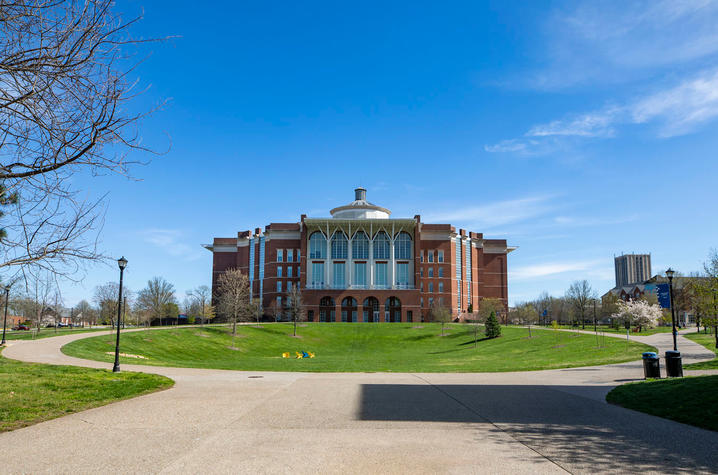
<point x="295" y="325"/>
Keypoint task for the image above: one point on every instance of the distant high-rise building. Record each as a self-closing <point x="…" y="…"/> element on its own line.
<point x="632" y="269"/>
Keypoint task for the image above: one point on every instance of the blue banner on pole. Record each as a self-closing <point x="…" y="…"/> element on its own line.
<point x="664" y="295"/>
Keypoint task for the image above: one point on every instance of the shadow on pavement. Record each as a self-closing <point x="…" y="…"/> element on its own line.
<point x="576" y="432"/>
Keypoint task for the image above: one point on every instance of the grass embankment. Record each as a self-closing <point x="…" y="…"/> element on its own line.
<point x="347" y="347"/>
<point x="620" y="331"/>
<point x="709" y="342"/>
<point x="46" y="333"/>
<point x="32" y="393"/>
<point x="692" y="401"/>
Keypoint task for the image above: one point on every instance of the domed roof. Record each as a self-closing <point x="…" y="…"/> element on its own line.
<point x="360" y="208"/>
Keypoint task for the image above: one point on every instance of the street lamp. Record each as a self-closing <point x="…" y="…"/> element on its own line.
<point x="122" y="263"/>
<point x="4" y="321"/>
<point x="669" y="274"/>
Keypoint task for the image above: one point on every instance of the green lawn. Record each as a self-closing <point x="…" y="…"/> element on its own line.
<point x="621" y="331"/>
<point x="689" y="400"/>
<point x="46" y="332"/>
<point x="347" y="347"/>
<point x="709" y="342"/>
<point x="32" y="393"/>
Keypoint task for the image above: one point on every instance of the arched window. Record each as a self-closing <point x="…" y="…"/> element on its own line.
<point x="381" y="246"/>
<point x="392" y="310"/>
<point x="339" y="246"/>
<point x="317" y="246"/>
<point x="360" y="246"/>
<point x="402" y="246"/>
<point x="349" y="309"/>
<point x="371" y="309"/>
<point x="326" y="309"/>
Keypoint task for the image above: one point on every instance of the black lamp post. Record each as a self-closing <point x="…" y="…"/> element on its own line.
<point x="669" y="274"/>
<point x="4" y="321"/>
<point x="122" y="263"/>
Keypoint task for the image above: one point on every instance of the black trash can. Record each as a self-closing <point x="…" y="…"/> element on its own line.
<point x="674" y="365"/>
<point x="651" y="365"/>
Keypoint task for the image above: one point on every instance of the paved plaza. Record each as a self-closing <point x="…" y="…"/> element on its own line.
<point x="234" y="421"/>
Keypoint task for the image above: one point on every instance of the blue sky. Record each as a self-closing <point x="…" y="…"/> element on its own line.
<point x="575" y="130"/>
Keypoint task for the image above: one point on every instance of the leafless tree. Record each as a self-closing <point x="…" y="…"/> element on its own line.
<point x="580" y="294"/>
<point x="440" y="313"/>
<point x="157" y="299"/>
<point x="488" y="305"/>
<point x="105" y="297"/>
<point x="233" y="297"/>
<point x="295" y="306"/>
<point x="203" y="296"/>
<point x="65" y="95"/>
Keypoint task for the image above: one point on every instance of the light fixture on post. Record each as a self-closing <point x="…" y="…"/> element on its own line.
<point x="669" y="273"/>
<point x="122" y="263"/>
<point x="4" y="321"/>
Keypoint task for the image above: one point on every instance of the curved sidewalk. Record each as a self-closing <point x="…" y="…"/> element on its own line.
<point x="235" y="421"/>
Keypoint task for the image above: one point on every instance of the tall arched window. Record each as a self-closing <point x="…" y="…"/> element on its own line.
<point x="402" y="246"/>
<point x="381" y="246"/>
<point x="317" y="246"/>
<point x="360" y="246"/>
<point x="339" y="246"/>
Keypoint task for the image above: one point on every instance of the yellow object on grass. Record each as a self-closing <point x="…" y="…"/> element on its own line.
<point x="311" y="355"/>
<point x="285" y="354"/>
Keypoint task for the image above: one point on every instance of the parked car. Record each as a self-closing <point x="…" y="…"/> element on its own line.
<point x="62" y="325"/>
<point x="21" y="327"/>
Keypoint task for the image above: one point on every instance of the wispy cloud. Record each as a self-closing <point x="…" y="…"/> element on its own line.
<point x="170" y="241"/>
<point x="552" y="268"/>
<point x="607" y="42"/>
<point x="676" y="110"/>
<point x="495" y="214"/>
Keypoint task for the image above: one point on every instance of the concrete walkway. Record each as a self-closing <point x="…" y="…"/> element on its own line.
<point x="215" y="421"/>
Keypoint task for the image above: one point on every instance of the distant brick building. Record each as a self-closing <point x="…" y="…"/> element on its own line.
<point x="360" y="265"/>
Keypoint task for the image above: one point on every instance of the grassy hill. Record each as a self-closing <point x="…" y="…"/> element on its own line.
<point x="346" y="347"/>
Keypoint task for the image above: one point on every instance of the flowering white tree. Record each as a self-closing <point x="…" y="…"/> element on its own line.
<point x="639" y="313"/>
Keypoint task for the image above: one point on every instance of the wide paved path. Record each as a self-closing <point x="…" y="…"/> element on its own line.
<point x="216" y="421"/>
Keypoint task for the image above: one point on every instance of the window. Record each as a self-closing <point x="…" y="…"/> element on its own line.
<point x="251" y="263"/>
<point x="317" y="274"/>
<point x="421" y="286"/>
<point x="430" y="255"/>
<point x="402" y="273"/>
<point x="360" y="273"/>
<point x="458" y="258"/>
<point x="279" y="271"/>
<point x="280" y="255"/>
<point x="381" y="246"/>
<point x="380" y="271"/>
<point x="431" y="301"/>
<point x="290" y="255"/>
<point x="339" y="279"/>
<point x="441" y="286"/>
<point x="431" y="272"/>
<point x="317" y="246"/>
<point x="440" y="256"/>
<point x="421" y="301"/>
<point x="421" y="256"/>
<point x="339" y="246"/>
<point x="441" y="271"/>
<point x="360" y="246"/>
<point x="289" y="271"/>
<point x="402" y="246"/>
<point x="431" y="287"/>
<point x="279" y="303"/>
<point x="298" y="256"/>
<point x="467" y="254"/>
<point x="421" y="272"/>
<point x="261" y="265"/>
<point x="279" y="286"/>
<point x="289" y="286"/>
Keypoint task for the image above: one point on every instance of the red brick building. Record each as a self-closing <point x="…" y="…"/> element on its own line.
<point x="360" y="265"/>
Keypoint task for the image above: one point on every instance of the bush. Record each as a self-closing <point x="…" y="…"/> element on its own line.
<point x="493" y="329"/>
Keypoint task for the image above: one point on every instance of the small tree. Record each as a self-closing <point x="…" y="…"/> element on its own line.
<point x="203" y="296"/>
<point x="295" y="306"/>
<point x="639" y="313"/>
<point x="580" y="295"/>
<point x="487" y="306"/>
<point x="525" y="314"/>
<point x="153" y="300"/>
<point x="439" y="313"/>
<point x="257" y="310"/>
<point x="493" y="329"/>
<point x="233" y="295"/>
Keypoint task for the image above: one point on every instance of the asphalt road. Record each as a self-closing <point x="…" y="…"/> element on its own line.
<point x="215" y="421"/>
